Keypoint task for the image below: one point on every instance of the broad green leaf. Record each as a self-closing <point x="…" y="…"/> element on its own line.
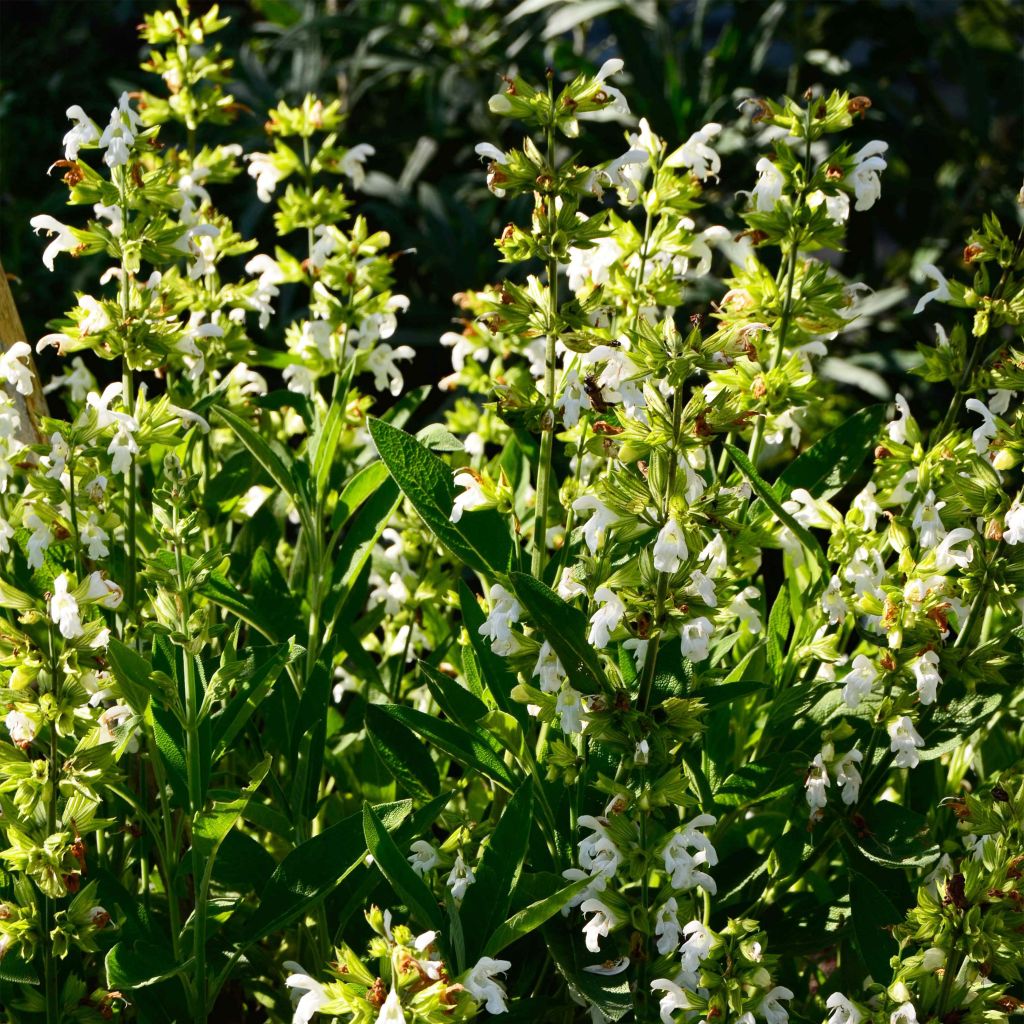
<point x="831" y="463"/>
<point x="391" y="861"/>
<point x="726" y="693"/>
<point x="361" y="537"/>
<point x="313" y="869"/>
<point x="565" y="628"/>
<point x="487" y="899"/>
<point x="471" y="748"/>
<point x="893" y="835"/>
<point x="132" y="673"/>
<point x="761" y="780"/>
<point x="873" y="914"/>
<point x="404" y="756"/>
<point x="764" y="491"/>
<point x="778" y="630"/>
<point x="532" y="917"/>
<point x="480" y="539"/>
<point x="134" y="965"/>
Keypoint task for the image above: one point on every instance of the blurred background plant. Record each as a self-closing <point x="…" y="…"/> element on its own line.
<point x="944" y="78"/>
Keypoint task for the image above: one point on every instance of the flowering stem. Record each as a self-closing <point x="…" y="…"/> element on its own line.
<point x="661" y="596"/>
<point x="547" y="423"/>
<point x="74" y="518"/>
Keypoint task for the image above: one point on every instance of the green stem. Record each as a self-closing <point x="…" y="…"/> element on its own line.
<point x="53" y="1008"/>
<point x="195" y="776"/>
<point x="547" y="425"/>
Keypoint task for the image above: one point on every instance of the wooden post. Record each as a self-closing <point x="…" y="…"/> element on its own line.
<point x="30" y="407"/>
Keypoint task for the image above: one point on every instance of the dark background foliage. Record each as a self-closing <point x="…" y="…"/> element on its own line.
<point x="945" y="80"/>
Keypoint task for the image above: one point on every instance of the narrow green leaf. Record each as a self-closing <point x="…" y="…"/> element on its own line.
<point x="271" y="460"/>
<point x="454" y="700"/>
<point x="404" y="756"/>
<point x="364" y="483"/>
<point x="764" y="491"/>
<point x="398" y="871"/>
<point x="314" y="868"/>
<point x="531" y="918"/>
<point x="487" y="899"/>
<point x="565" y="628"/>
<point x="471" y="748"/>
<point x="480" y="539"/>
<point x="831" y="463"/>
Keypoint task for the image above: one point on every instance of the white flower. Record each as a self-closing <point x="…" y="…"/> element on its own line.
<point x="83" y="133"/>
<point x="119" y="135"/>
<point x="21" y="727"/>
<point x="770" y="183"/>
<point x="505" y="611"/>
<point x="65" y="240"/>
<point x="843" y="1011"/>
<point x="1013" y="525"/>
<point x="6" y="533"/>
<point x="684" y="866"/>
<point x="905" y="1014"/>
<point x="926" y="676"/>
<point x="600" y="925"/>
<point x="460" y="878"/>
<point x="299" y="379"/>
<point x="606" y="619"/>
<point x="103" y="591"/>
<point x="868" y="162"/>
<point x="905" y="741"/>
<point x="569" y="587"/>
<point x="945" y="554"/>
<point x="928" y="522"/>
<point x="982" y="435"/>
<point x="15" y="372"/>
<point x="598" y="854"/>
<point x="837" y="207"/>
<point x="123" y="448"/>
<point x="868" y="507"/>
<point x="832" y="601"/>
<point x="391" y="1011"/>
<point x="569" y="708"/>
<point x="865" y="572"/>
<point x="897" y="429"/>
<point x="424" y="857"/>
<point x="591" y="265"/>
<point x="703" y="587"/>
<point x="596" y="527"/>
<point x="263" y="168"/>
<point x="859" y="680"/>
<point x="716" y="554"/>
<point x="670" y="547"/>
<point x="315" y="997"/>
<point x="666" y="926"/>
<point x="848" y="776"/>
<point x="772" y="1011"/>
<point x="674" y="999"/>
<point x="471" y="498"/>
<point x="381" y="363"/>
<point x="39" y="540"/>
<point x="693" y="638"/>
<point x="816" y="783"/>
<point x="638" y="648"/>
<point x="64" y="609"/>
<point x="695" y="949"/>
<point x="749" y="615"/>
<point x="480" y="983"/>
<point x="112" y="213"/>
<point x="352" y="163"/>
<point x="696" y="154"/>
<point x="940" y="291"/>
<point x="548" y="669"/>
